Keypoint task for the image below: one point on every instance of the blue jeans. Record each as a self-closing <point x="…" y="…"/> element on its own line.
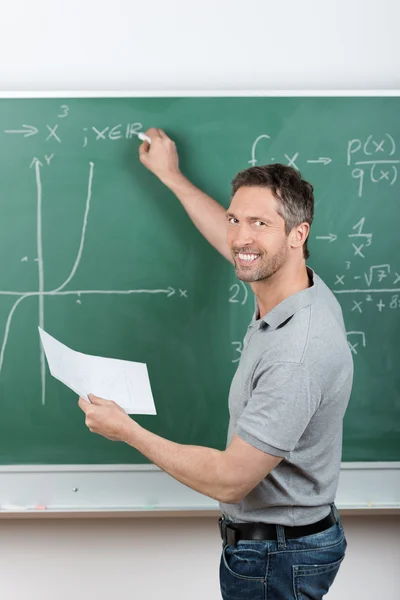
<point x="294" y="569"/>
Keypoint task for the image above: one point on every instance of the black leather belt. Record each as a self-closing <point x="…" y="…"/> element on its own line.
<point x="231" y="533"/>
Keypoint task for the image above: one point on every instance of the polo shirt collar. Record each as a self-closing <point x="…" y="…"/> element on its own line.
<point x="288" y="307"/>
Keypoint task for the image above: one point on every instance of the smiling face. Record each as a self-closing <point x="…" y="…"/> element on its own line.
<point x="256" y="234"/>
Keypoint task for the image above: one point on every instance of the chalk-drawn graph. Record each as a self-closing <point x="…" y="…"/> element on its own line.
<point x="41" y="292"/>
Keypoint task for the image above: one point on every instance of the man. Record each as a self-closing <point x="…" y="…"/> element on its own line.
<point x="277" y="479"/>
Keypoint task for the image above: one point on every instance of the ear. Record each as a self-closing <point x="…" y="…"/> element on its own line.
<point x="299" y="234"/>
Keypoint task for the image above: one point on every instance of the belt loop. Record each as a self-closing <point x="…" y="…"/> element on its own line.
<point x="335" y="511"/>
<point x="280" y="536"/>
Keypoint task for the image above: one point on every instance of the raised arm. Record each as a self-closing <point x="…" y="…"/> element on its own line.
<point x="161" y="158"/>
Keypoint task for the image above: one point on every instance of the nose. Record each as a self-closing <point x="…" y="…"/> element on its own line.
<point x="242" y="235"/>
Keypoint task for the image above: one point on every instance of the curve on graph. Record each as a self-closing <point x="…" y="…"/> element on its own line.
<point x="82" y="242"/>
<point x="8" y="325"/>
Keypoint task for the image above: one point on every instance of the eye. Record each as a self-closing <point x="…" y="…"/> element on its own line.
<point x="232" y="221"/>
<point x="259" y="223"/>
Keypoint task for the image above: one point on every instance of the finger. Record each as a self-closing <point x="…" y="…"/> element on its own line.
<point x="162" y="134"/>
<point x="83" y="404"/>
<point x="144" y="153"/>
<point x="96" y="400"/>
<point x="144" y="148"/>
<point x="153" y="132"/>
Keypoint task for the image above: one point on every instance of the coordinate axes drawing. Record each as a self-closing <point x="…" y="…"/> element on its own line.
<point x="60" y="290"/>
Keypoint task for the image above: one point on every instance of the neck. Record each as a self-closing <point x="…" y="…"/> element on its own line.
<point x="289" y="280"/>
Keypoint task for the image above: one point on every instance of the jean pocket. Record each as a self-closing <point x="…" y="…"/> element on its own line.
<point x="244" y="561"/>
<point x="314" y="581"/>
<point x="242" y="573"/>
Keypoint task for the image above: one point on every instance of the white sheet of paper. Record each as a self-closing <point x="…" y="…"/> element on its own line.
<point x="125" y="382"/>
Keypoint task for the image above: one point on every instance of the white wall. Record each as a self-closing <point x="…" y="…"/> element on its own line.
<point x="208" y="44"/>
<point x="173" y="559"/>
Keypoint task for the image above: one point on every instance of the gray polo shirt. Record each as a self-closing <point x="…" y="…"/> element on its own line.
<point x="288" y="398"/>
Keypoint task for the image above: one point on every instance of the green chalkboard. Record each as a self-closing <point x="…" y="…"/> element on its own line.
<point x="97" y="251"/>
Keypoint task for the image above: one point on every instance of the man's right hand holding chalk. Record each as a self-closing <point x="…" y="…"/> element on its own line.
<point x="160" y="157"/>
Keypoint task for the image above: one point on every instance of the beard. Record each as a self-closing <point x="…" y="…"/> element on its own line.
<point x="264" y="268"/>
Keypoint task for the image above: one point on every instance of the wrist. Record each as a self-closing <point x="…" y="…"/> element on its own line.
<point x="129" y="432"/>
<point x="174" y="180"/>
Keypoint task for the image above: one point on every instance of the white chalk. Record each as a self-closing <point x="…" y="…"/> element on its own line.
<point x="144" y="137"/>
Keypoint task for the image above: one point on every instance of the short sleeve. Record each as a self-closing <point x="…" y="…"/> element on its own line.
<point x="283" y="400"/>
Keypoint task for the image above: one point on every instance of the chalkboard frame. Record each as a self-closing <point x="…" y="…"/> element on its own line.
<point x="138" y="490"/>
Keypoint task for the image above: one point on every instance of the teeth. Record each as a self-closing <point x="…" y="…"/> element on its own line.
<point x="248" y="257"/>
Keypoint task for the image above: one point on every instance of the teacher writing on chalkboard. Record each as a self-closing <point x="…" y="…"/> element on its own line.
<point x="277" y="479"/>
